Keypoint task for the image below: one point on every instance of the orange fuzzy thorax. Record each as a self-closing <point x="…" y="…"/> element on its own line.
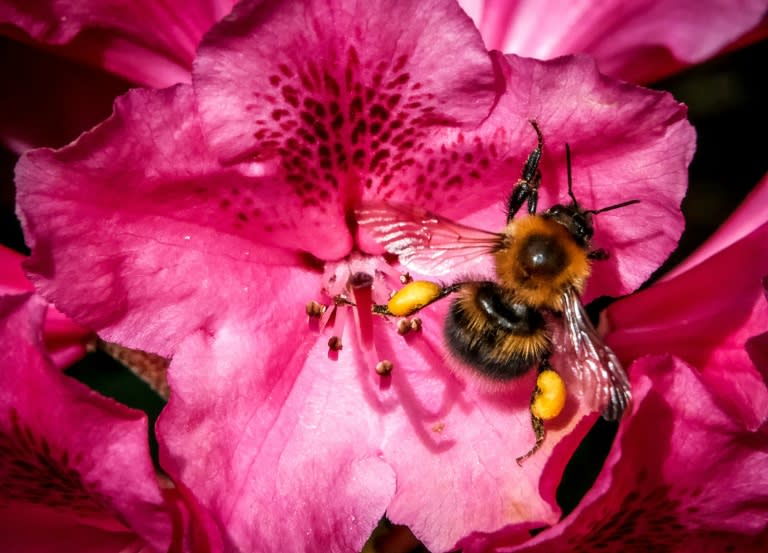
<point x="544" y="289"/>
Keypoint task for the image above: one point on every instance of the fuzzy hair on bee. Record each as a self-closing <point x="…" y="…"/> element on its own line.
<point x="502" y="328"/>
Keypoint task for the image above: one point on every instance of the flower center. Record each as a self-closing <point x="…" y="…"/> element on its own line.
<point x="350" y="288"/>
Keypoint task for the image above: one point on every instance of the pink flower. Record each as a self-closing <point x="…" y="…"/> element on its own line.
<point x="207" y="217"/>
<point x="65" y="341"/>
<point x="74" y="466"/>
<point x="638" y="41"/>
<point x="687" y="470"/>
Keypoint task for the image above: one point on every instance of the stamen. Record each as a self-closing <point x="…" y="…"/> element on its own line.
<point x="342" y="299"/>
<point x="403" y="327"/>
<point x="353" y="285"/>
<point x="334" y="343"/>
<point x="316" y="309"/>
<point x="384" y="367"/>
<point x="364" y="301"/>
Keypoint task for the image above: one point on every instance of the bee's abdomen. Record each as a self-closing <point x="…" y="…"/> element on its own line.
<point x="500" y="338"/>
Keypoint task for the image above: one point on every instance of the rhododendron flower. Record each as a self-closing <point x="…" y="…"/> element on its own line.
<point x="687" y="471"/>
<point x="637" y="41"/>
<point x="207" y="217"/>
<point x="75" y="471"/>
<point x="65" y="341"/>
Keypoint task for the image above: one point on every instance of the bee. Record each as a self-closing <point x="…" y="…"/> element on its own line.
<point x="503" y="327"/>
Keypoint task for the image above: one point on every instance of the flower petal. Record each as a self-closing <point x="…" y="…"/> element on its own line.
<point x="306" y="56"/>
<point x="339" y="96"/>
<point x="705" y="316"/>
<point x="750" y="214"/>
<point x="639" y="41"/>
<point x="148" y="42"/>
<point x="289" y="434"/>
<point x="136" y="232"/>
<point x="682" y="474"/>
<point x="31" y="116"/>
<point x="65" y="341"/>
<point x="72" y="460"/>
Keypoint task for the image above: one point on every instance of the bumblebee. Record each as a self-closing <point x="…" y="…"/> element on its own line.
<point x="504" y="327"/>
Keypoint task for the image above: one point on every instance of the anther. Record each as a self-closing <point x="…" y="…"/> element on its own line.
<point x="334" y="343"/>
<point x="405" y="278"/>
<point x="341" y="299"/>
<point x="415" y="324"/>
<point x="384" y="367"/>
<point x="315" y="309"/>
<point x="403" y="327"/>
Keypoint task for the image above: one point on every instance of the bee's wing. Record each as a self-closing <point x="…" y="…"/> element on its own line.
<point x="424" y="242"/>
<point x="594" y="369"/>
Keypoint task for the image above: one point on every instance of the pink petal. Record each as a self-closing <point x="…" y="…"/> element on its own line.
<point x="31" y="116"/>
<point x="745" y="220"/>
<point x="149" y="43"/>
<point x="290" y="436"/>
<point x="343" y="107"/>
<point x="705" y="316"/>
<point x="73" y="461"/>
<point x="638" y="41"/>
<point x="65" y="341"/>
<point x="626" y="143"/>
<point x="683" y="475"/>
<point x="283" y="71"/>
<point x="136" y="232"/>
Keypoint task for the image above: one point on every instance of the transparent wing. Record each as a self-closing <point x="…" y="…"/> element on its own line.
<point x="425" y="242"/>
<point x="593" y="370"/>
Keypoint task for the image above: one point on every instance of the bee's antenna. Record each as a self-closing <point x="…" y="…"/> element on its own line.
<point x="611" y="207"/>
<point x="570" y="177"/>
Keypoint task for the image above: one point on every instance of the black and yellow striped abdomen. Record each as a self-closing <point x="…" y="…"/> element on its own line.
<point x="500" y="338"/>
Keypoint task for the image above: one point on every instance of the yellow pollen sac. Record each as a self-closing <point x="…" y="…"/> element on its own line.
<point x="412" y="297"/>
<point x="550" y="399"/>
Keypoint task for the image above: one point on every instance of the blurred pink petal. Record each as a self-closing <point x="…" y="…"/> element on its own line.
<point x="147" y="42"/>
<point x="31" y="115"/>
<point x="746" y="219"/>
<point x="705" y="316"/>
<point x="636" y="41"/>
<point x="74" y="463"/>
<point x="683" y="474"/>
<point x="65" y="341"/>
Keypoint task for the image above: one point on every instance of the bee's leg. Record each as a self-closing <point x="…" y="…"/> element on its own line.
<point x="537" y="422"/>
<point x="599" y="254"/>
<point x="414" y="297"/>
<point x="527" y="187"/>
<point x="538" y="430"/>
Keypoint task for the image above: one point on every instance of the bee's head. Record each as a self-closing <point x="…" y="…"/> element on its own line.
<point x="577" y="221"/>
